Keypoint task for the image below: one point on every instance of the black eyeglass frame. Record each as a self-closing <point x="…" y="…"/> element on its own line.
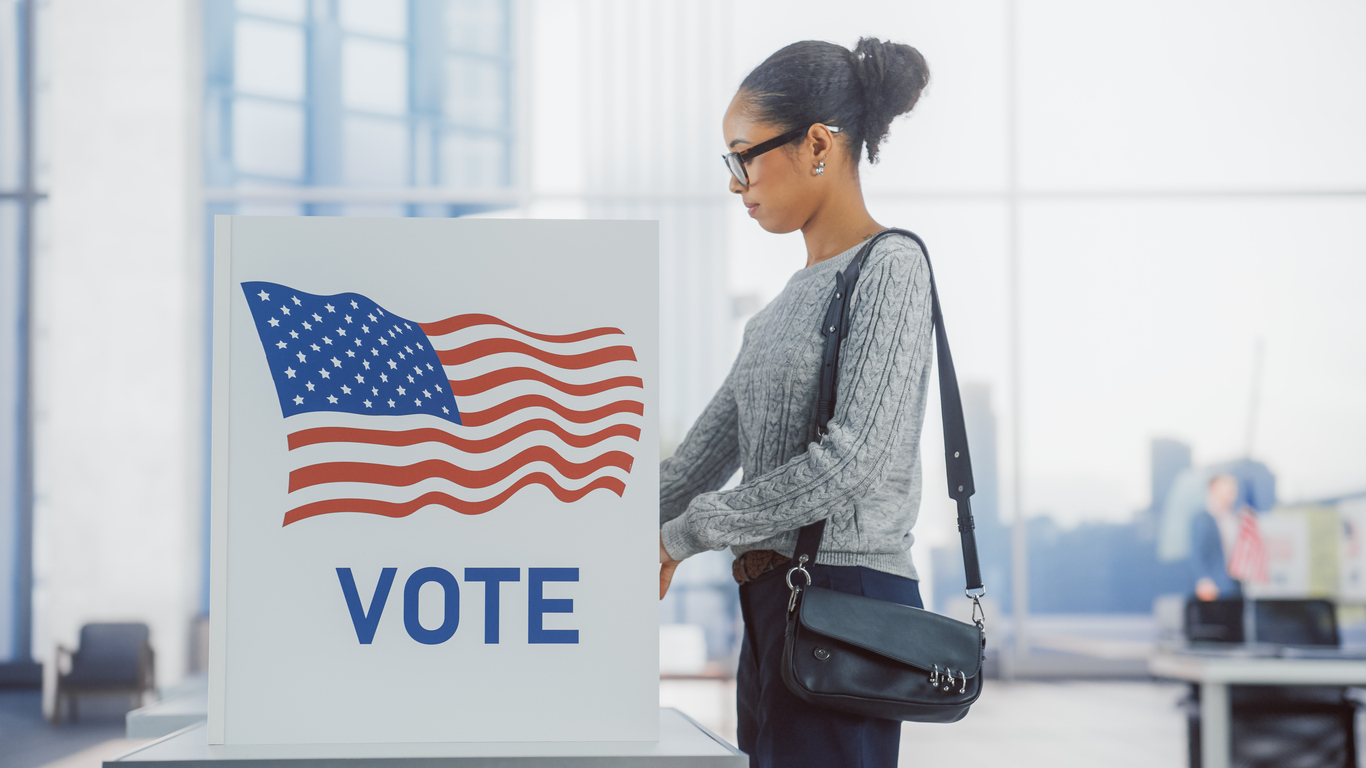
<point x="735" y="161"/>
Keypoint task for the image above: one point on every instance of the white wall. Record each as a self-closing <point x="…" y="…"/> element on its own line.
<point x="119" y="334"/>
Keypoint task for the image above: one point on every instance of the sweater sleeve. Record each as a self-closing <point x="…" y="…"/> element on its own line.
<point x="708" y="455"/>
<point x="880" y="383"/>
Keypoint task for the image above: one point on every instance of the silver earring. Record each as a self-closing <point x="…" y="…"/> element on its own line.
<point x="820" y="169"/>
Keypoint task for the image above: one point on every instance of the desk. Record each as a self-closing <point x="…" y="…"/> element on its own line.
<point x="1215" y="673"/>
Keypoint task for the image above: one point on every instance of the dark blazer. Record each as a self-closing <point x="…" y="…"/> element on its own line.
<point x="1207" y="558"/>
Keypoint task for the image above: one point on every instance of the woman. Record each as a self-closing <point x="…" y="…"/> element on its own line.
<point x="797" y="128"/>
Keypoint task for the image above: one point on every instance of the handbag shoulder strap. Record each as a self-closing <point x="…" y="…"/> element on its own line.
<point x="956" y="458"/>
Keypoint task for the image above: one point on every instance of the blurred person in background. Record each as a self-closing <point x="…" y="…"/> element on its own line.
<point x="797" y="129"/>
<point x="1214" y="532"/>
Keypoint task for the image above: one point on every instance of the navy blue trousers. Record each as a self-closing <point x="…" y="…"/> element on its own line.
<point x="779" y="730"/>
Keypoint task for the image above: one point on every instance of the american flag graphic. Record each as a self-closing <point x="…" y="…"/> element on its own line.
<point x="1248" y="561"/>
<point x="386" y="415"/>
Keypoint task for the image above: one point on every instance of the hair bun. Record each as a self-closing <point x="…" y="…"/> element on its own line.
<point x="892" y="76"/>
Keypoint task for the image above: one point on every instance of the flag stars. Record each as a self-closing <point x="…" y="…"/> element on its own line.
<point x="323" y="373"/>
<point x="384" y="341"/>
<point x="289" y="373"/>
<point x="402" y="391"/>
<point x="365" y="363"/>
<point x="437" y="387"/>
<point x="401" y="357"/>
<point x="374" y="352"/>
<point x="329" y="308"/>
<point x="445" y="410"/>
<point x="348" y="319"/>
<point x="302" y="359"/>
<point x="358" y="342"/>
<point x="392" y="364"/>
<point x="327" y="340"/>
<point x="280" y="345"/>
<point x="360" y="379"/>
<point x="274" y="323"/>
<point x="384" y="377"/>
<point x="341" y="331"/>
<point x="350" y="353"/>
<point x="410" y="379"/>
<point x="316" y="348"/>
<point x="391" y="403"/>
<point x="427" y="394"/>
<point x="346" y="390"/>
<point x="293" y="334"/>
<point x="284" y="310"/>
<point x="417" y="370"/>
<point x="336" y="363"/>
<point x="296" y="301"/>
<point x="332" y="399"/>
<point x="264" y="296"/>
<point x="429" y="367"/>
<point x="367" y="403"/>
<point x="365" y="328"/>
<point x="410" y="349"/>
<point x="393" y="335"/>
<point x="372" y="318"/>
<point x="310" y="386"/>
<point x="316" y="318"/>
<point x="374" y="391"/>
<point x="307" y="326"/>
<point x="409" y="327"/>
<point x="298" y="400"/>
<point x="354" y="305"/>
<point x="418" y="403"/>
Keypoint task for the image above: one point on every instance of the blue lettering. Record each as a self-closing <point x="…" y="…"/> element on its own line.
<point x="492" y="578"/>
<point x="450" y="619"/>
<point x="538" y="606"/>
<point x="366" y="622"/>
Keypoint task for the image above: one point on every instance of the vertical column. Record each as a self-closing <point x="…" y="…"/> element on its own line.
<point x="118" y="330"/>
<point x="1019" y="537"/>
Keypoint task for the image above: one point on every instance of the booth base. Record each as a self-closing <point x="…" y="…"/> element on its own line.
<point x="682" y="744"/>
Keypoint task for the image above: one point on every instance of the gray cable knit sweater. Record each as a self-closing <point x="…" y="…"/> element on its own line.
<point x="864" y="474"/>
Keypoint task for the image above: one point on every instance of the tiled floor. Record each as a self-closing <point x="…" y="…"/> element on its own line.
<point x="1022" y="725"/>
<point x="28" y="741"/>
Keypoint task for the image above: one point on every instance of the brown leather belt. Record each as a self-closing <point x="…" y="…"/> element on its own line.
<point x="751" y="565"/>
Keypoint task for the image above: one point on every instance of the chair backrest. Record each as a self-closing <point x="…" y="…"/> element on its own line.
<point x="1297" y="622"/>
<point x="1214" y="621"/>
<point x="110" y="652"/>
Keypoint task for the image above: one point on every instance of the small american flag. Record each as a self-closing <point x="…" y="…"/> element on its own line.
<point x="1248" y="561"/>
<point x="386" y="416"/>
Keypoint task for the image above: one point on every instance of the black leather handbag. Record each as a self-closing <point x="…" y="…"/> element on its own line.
<point x="871" y="657"/>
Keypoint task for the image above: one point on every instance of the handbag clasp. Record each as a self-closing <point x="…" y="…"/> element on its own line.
<point x="796" y="590"/>
<point x="979" y="615"/>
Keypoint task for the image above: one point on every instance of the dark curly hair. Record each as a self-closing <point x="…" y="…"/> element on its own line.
<point x="861" y="91"/>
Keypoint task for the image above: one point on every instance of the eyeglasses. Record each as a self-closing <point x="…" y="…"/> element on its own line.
<point x="735" y="161"/>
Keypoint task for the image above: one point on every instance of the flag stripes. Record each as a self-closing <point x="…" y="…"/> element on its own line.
<point x="560" y="411"/>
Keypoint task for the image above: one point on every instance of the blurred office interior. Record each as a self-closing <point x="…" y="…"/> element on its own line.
<point x="1147" y="221"/>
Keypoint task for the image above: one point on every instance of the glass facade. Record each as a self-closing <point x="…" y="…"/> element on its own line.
<point x="358" y="95"/>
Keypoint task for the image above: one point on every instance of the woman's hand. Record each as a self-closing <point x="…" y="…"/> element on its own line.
<point x="667" y="566"/>
<point x="1206" y="589"/>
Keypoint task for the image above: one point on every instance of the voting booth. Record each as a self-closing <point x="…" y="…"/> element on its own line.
<point x="435" y="481"/>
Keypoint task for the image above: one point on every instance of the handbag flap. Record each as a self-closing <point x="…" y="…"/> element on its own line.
<point x="909" y="635"/>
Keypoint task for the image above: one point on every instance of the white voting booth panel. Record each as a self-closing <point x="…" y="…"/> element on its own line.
<point x="435" y="481"/>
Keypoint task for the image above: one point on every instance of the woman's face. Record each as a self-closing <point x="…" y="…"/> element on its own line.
<point x="780" y="195"/>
